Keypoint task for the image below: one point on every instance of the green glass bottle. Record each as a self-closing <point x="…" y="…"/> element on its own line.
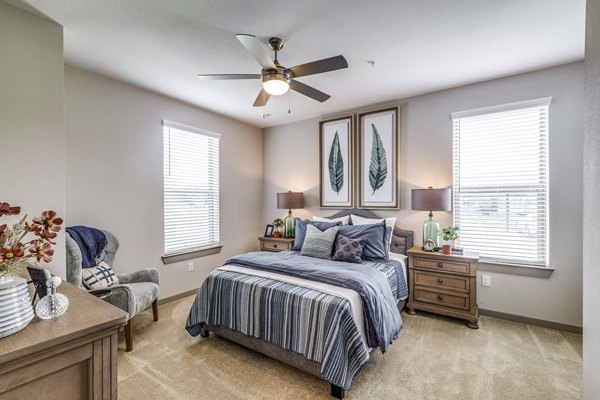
<point x="290" y="226"/>
<point x="431" y="230"/>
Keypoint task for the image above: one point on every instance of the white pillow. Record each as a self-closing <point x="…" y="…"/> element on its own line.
<point x="99" y="277"/>
<point x="343" y="220"/>
<point x="389" y="223"/>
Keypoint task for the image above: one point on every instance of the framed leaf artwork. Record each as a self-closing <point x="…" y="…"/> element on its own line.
<point x="378" y="159"/>
<point x="336" y="162"/>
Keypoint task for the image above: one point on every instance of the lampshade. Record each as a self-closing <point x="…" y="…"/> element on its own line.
<point x="276" y="83"/>
<point x="431" y="199"/>
<point x="290" y="200"/>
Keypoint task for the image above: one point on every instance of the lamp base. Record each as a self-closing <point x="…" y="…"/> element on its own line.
<point x="290" y="226"/>
<point x="431" y="230"/>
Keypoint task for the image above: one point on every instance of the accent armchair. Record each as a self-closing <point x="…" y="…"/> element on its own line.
<point x="136" y="291"/>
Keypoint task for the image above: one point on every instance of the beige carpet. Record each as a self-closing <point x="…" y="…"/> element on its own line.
<point x="434" y="358"/>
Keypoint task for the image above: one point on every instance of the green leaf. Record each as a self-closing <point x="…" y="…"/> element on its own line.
<point x="378" y="167"/>
<point x="336" y="165"/>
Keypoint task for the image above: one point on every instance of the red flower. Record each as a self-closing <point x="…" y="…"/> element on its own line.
<point x="49" y="221"/>
<point x="6" y="209"/>
<point x="41" y="251"/>
<point x="11" y="253"/>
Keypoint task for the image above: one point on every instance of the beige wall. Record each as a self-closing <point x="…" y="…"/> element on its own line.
<point x="115" y="173"/>
<point x="425" y="150"/>
<point x="591" y="211"/>
<point x="32" y="138"/>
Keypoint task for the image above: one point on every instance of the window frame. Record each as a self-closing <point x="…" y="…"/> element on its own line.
<point x="201" y="250"/>
<point x="542" y="262"/>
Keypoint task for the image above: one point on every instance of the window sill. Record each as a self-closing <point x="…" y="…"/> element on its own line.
<point x="173" y="258"/>
<point x="515" y="269"/>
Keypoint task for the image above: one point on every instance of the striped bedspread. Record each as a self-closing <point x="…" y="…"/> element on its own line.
<point x="317" y="325"/>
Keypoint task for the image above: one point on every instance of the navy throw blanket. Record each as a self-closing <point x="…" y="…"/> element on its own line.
<point x="91" y="242"/>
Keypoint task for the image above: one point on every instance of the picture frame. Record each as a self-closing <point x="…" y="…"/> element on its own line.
<point x="378" y="159"/>
<point x="269" y="231"/>
<point x="336" y="162"/>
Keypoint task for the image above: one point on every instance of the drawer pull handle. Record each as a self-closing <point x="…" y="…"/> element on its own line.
<point x="275" y="245"/>
<point x="440" y="297"/>
<point x="440" y="280"/>
<point x="440" y="265"/>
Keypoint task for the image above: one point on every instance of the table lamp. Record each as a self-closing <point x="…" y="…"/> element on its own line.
<point x="290" y="200"/>
<point x="431" y="200"/>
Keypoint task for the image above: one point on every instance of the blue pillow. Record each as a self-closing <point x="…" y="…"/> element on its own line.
<point x="375" y="236"/>
<point x="301" y="230"/>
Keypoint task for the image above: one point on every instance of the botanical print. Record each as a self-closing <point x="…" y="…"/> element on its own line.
<point x="378" y="167"/>
<point x="336" y="163"/>
<point x="378" y="141"/>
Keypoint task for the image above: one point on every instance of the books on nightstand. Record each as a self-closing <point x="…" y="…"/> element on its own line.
<point x="458" y="250"/>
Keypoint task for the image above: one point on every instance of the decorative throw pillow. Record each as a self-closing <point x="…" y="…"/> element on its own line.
<point x="99" y="277"/>
<point x="375" y="236"/>
<point x="348" y="250"/>
<point x="345" y="220"/>
<point x="318" y="244"/>
<point x="389" y="222"/>
<point x="301" y="230"/>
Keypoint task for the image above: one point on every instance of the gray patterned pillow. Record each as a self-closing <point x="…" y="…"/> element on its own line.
<point x="318" y="244"/>
<point x="348" y="250"/>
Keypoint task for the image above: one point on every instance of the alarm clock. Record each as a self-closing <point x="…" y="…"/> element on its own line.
<point x="429" y="245"/>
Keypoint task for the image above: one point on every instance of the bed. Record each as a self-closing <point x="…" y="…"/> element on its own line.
<point x="325" y="325"/>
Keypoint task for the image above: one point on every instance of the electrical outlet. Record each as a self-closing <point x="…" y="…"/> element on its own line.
<point x="486" y="280"/>
<point x="190" y="266"/>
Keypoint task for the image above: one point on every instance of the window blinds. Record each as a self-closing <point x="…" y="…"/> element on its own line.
<point x="501" y="182"/>
<point x="191" y="188"/>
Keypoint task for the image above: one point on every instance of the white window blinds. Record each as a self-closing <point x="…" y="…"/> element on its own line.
<point x="191" y="188"/>
<point x="501" y="181"/>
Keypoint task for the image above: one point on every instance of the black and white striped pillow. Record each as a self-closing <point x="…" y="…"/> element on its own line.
<point x="99" y="277"/>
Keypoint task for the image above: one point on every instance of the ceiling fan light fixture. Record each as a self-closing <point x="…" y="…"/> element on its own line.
<point x="276" y="83"/>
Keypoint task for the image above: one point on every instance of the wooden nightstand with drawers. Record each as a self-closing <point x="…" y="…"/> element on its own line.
<point x="443" y="284"/>
<point x="275" y="244"/>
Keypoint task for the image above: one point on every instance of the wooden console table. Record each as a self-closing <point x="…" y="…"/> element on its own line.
<point x="71" y="357"/>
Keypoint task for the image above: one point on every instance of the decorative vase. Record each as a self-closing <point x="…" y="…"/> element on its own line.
<point x="54" y="304"/>
<point x="16" y="311"/>
<point x="447" y="249"/>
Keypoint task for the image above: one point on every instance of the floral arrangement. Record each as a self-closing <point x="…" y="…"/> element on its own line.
<point x="15" y="251"/>
<point x="450" y="233"/>
<point x="278" y="222"/>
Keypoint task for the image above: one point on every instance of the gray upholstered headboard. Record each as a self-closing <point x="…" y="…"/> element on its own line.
<point x="402" y="240"/>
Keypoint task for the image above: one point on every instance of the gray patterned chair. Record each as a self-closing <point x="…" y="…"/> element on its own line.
<point x="136" y="291"/>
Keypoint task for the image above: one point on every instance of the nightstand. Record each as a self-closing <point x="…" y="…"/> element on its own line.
<point x="275" y="244"/>
<point x="443" y="284"/>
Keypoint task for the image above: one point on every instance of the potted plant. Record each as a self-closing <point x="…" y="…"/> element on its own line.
<point x="278" y="224"/>
<point x="449" y="234"/>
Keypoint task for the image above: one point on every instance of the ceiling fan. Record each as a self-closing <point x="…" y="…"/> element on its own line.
<point x="276" y="79"/>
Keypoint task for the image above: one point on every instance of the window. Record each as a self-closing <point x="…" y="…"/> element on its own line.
<point x="191" y="188"/>
<point x="501" y="181"/>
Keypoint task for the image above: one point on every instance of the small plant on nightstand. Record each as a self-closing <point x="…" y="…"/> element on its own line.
<point x="449" y="234"/>
<point x="278" y="224"/>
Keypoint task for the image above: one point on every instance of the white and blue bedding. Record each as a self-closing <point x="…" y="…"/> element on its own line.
<point x="315" y="323"/>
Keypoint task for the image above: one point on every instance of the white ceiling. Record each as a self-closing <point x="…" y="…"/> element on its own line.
<point x="418" y="46"/>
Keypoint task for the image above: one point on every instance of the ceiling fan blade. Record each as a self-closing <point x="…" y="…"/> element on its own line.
<point x="262" y="98"/>
<point x="229" y="76"/>
<point x="318" y="67"/>
<point x="309" y="91"/>
<point x="251" y="43"/>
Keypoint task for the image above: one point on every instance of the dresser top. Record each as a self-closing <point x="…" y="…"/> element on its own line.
<point x="86" y="315"/>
